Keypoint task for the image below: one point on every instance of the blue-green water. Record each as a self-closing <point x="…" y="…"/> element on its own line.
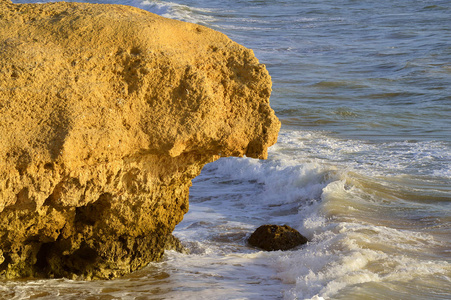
<point x="362" y="69"/>
<point x="362" y="165"/>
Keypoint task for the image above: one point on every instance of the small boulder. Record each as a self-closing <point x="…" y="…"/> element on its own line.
<point x="275" y="237"/>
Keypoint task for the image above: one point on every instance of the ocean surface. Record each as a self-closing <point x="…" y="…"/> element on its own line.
<point x="362" y="166"/>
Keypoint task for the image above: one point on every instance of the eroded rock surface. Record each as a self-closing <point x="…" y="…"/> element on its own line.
<point x="106" y="114"/>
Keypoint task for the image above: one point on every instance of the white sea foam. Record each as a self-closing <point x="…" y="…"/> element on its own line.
<point x="390" y="158"/>
<point x="178" y="11"/>
<point x="320" y="199"/>
<point x="334" y="261"/>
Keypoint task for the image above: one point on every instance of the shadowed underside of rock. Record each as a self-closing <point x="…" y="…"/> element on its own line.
<point x="106" y="114"/>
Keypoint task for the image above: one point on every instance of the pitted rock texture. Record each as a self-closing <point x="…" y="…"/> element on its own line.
<point x="106" y="114"/>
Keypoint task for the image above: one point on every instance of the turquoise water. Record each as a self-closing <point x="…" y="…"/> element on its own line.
<point x="362" y="165"/>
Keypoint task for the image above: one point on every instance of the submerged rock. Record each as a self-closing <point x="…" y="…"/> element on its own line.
<point x="275" y="237"/>
<point x="106" y="114"/>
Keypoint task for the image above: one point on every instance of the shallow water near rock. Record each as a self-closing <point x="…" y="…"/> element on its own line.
<point x="361" y="168"/>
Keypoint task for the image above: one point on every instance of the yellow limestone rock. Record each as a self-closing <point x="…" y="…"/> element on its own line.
<point x="106" y="114"/>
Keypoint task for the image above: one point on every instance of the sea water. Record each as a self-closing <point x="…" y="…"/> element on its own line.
<point x="361" y="167"/>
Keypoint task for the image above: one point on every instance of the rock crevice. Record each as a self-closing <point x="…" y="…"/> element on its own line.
<point x="106" y="114"/>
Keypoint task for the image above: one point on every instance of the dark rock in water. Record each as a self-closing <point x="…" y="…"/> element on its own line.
<point x="275" y="237"/>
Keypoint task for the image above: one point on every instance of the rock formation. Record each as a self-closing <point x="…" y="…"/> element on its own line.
<point x="275" y="237"/>
<point x="106" y="114"/>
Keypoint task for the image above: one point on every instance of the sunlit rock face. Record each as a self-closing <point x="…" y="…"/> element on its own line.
<point x="107" y="113"/>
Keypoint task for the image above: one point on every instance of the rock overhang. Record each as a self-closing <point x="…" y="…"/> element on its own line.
<point x="107" y="113"/>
